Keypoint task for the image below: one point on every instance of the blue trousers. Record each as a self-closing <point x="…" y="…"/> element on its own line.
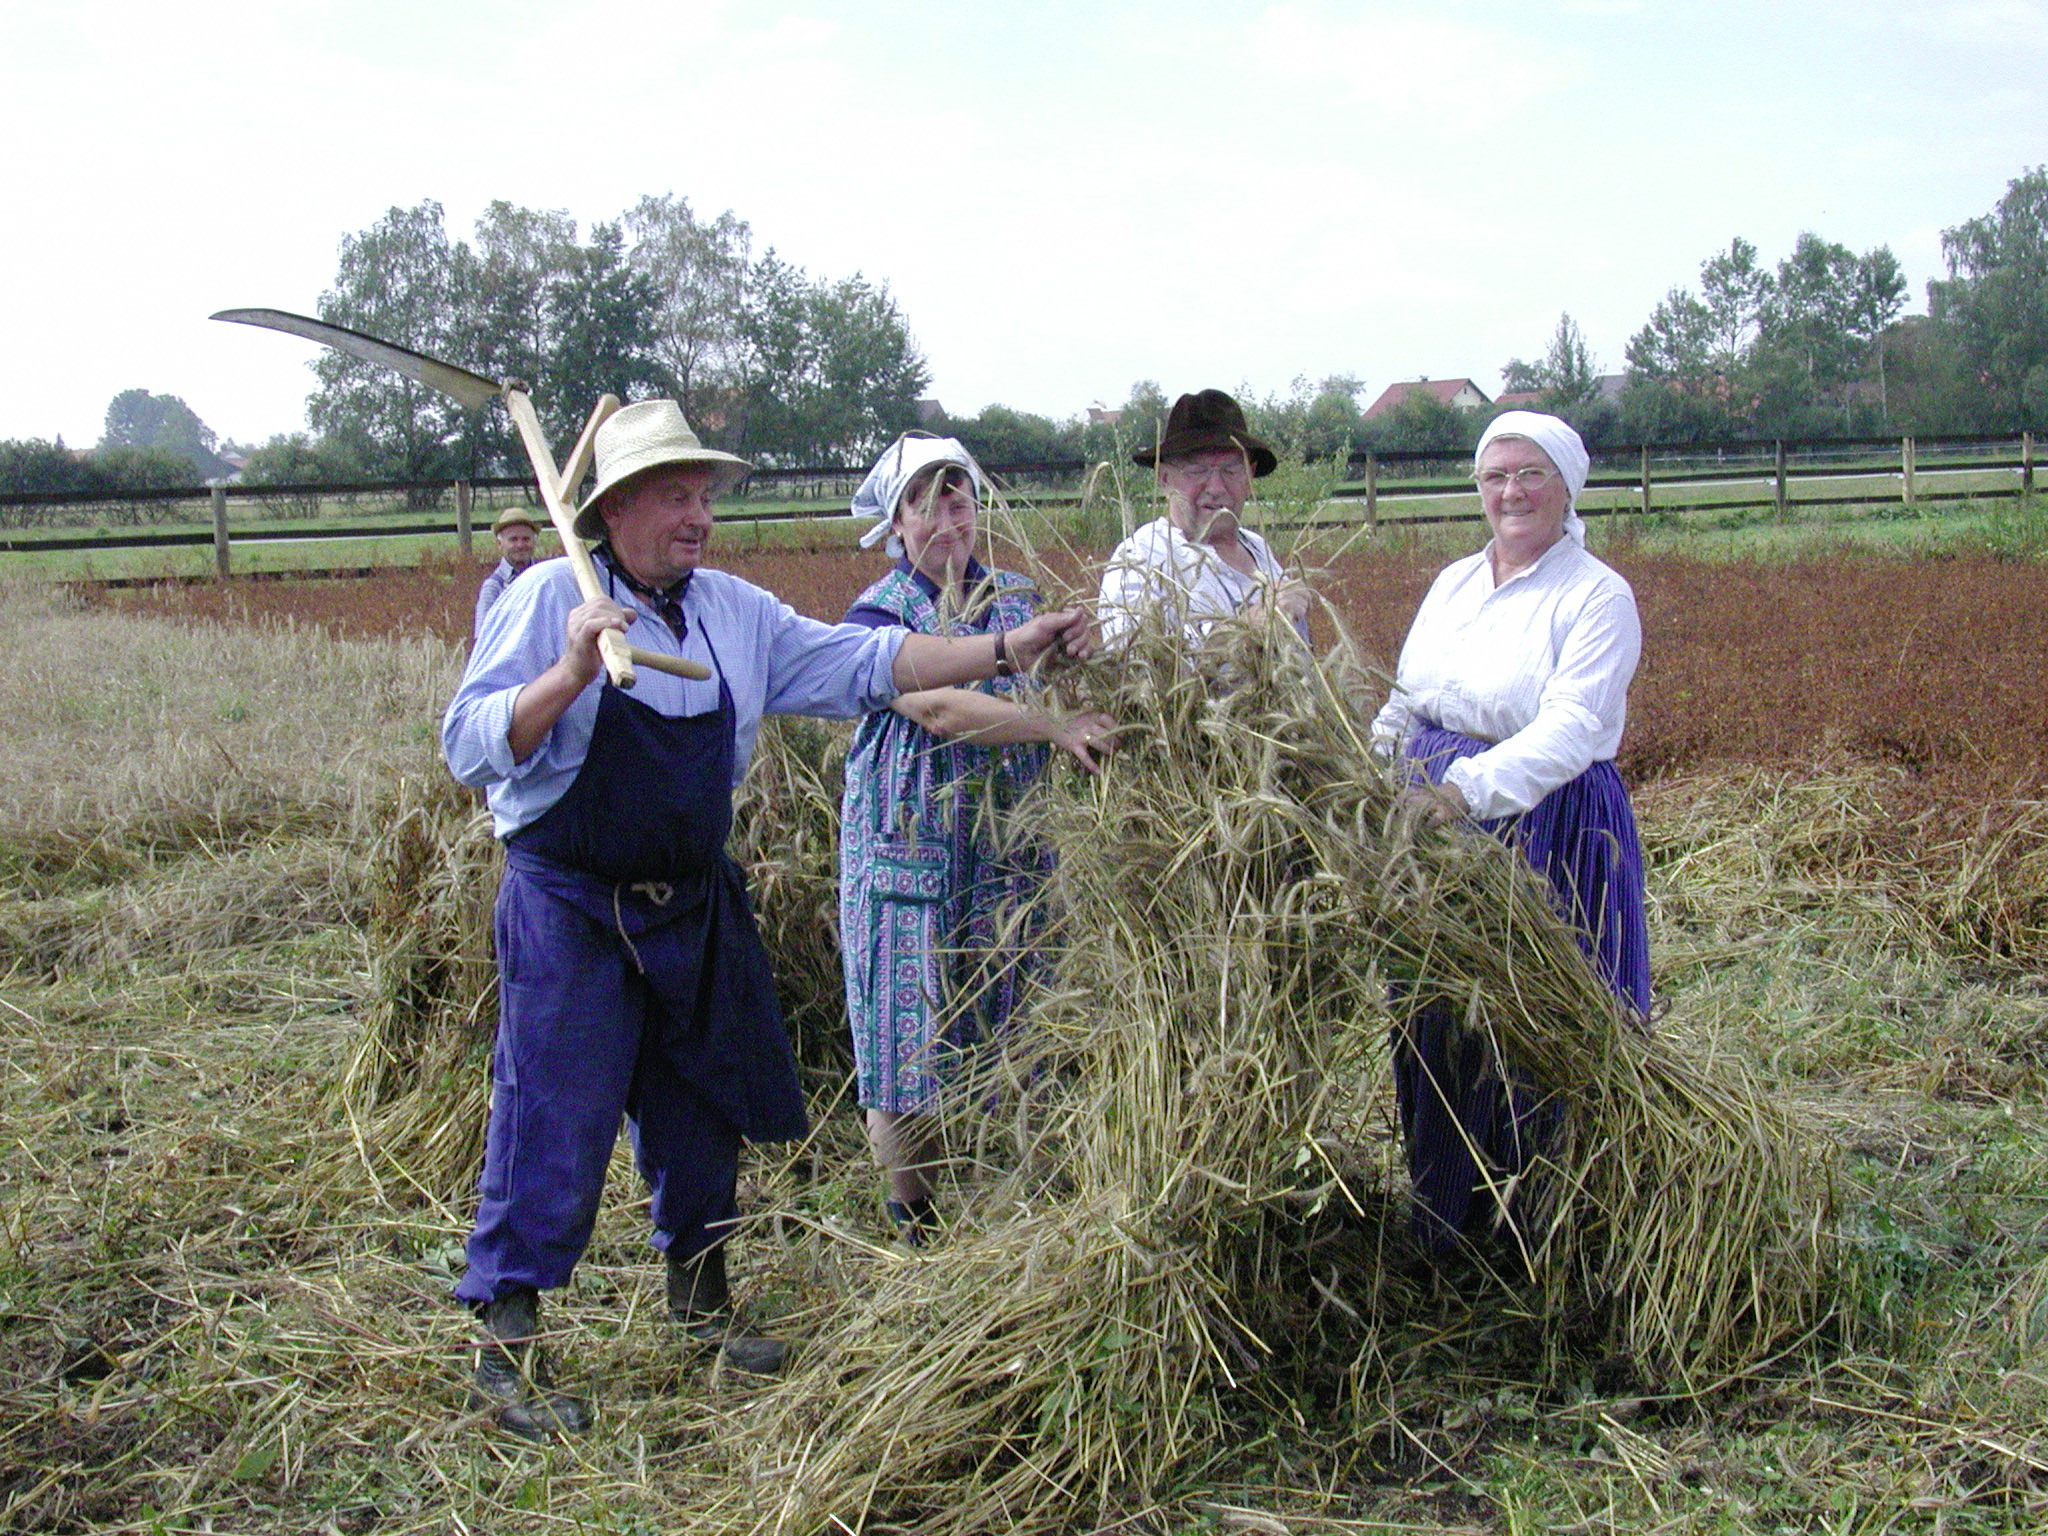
<point x="584" y="1040"/>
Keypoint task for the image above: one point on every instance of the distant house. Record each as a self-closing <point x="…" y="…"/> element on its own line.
<point x="930" y="413"/>
<point x="1100" y="415"/>
<point x="1460" y="394"/>
<point x="1608" y="386"/>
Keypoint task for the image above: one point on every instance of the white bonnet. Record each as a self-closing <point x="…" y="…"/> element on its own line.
<point x="899" y="464"/>
<point x="1567" y="450"/>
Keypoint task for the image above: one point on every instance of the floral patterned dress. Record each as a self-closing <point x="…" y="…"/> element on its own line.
<point x="929" y="874"/>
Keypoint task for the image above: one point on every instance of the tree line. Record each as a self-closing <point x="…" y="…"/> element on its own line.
<point x="789" y="369"/>
<point x="766" y="360"/>
<point x="1816" y="346"/>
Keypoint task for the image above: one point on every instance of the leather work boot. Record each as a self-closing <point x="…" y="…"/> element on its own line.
<point x="701" y="1302"/>
<point x="916" y="1221"/>
<point x="512" y="1372"/>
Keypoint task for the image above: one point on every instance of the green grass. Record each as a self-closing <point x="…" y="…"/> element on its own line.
<point x="249" y="553"/>
<point x="204" y="1324"/>
<point x="1997" y="523"/>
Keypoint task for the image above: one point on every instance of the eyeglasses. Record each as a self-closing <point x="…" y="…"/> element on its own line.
<point x="1531" y="479"/>
<point x="1230" y="471"/>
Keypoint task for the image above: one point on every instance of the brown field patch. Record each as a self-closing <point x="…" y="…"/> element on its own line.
<point x="1931" y="668"/>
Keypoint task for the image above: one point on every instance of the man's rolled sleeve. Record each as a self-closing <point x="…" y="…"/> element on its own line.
<point x="839" y="671"/>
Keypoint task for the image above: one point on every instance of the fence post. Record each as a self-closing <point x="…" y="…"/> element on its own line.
<point x="463" y="497"/>
<point x="1646" y="479"/>
<point x="220" y="530"/>
<point x="2026" y="463"/>
<point x="1372" y="491"/>
<point x="1906" y="470"/>
<point x="1778" y="496"/>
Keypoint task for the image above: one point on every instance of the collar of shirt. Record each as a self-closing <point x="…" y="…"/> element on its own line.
<point x="1556" y="554"/>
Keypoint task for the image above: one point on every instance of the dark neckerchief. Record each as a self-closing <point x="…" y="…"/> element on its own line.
<point x="668" y="602"/>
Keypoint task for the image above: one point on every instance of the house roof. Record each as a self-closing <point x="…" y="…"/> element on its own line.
<point x="1445" y="390"/>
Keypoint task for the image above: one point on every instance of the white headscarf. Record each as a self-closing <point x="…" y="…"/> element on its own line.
<point x="899" y="465"/>
<point x="1567" y="451"/>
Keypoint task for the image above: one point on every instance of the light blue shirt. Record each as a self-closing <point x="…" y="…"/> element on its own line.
<point x="775" y="661"/>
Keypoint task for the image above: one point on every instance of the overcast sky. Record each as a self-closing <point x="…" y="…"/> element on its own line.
<point x="1064" y="196"/>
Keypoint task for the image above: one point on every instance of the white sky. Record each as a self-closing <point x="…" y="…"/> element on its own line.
<point x="1064" y="195"/>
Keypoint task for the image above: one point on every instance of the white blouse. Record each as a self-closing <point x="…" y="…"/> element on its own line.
<point x="1539" y="665"/>
<point x="1159" y="564"/>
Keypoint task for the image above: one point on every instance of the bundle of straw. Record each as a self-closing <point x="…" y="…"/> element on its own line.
<point x="418" y="1082"/>
<point x="1231" y="902"/>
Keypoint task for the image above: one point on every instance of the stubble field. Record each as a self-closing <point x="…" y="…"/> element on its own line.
<point x="220" y="1310"/>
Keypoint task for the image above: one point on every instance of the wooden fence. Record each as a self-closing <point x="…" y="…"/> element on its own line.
<point x="1407" y="487"/>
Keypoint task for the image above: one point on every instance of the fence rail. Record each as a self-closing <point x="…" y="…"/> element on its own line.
<point x="1642" y="479"/>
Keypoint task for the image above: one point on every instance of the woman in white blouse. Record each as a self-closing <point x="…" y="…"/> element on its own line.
<point x="1508" y="704"/>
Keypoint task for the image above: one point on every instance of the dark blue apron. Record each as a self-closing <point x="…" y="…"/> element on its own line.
<point x="638" y="842"/>
<point x="632" y="980"/>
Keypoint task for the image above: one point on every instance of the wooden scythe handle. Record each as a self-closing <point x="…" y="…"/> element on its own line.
<point x="619" y="657"/>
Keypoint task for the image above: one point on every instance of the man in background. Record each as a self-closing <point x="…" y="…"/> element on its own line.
<point x="515" y="531"/>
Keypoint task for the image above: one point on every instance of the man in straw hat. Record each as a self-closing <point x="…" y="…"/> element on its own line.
<point x="515" y="530"/>
<point x="1199" y="563"/>
<point x="632" y="980"/>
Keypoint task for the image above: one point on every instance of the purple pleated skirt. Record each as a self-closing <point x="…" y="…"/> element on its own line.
<point x="1471" y="1125"/>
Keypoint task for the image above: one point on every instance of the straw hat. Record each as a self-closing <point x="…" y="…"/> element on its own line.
<point x="515" y="517"/>
<point x="645" y="436"/>
<point x="1210" y="419"/>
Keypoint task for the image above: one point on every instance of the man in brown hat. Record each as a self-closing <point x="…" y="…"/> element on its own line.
<point x="632" y="981"/>
<point x="516" y="529"/>
<point x="1198" y="563"/>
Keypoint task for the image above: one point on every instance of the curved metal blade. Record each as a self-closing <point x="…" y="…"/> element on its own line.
<point x="472" y="389"/>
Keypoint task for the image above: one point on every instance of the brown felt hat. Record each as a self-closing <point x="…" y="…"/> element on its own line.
<point x="512" y="517"/>
<point x="1210" y="419"/>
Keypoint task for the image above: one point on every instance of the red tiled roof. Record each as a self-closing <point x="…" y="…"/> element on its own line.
<point x="1443" y="389"/>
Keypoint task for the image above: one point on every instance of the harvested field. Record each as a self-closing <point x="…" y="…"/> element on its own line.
<point x="222" y="1290"/>
<point x="1929" y="667"/>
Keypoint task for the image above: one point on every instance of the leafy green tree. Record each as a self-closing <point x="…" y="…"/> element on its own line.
<point x="402" y="280"/>
<point x="832" y="372"/>
<point x="1675" y="347"/>
<point x="1663" y="411"/>
<point x="31" y="466"/>
<point x="1000" y="435"/>
<point x="1810" y="315"/>
<point x="1566" y="375"/>
<point x="520" y="254"/>
<point x="138" y="419"/>
<point x="1994" y="303"/>
<point x="1316" y="422"/>
<point x="1879" y="299"/>
<point x="699" y="271"/>
<point x="601" y="316"/>
<point x="295" y="458"/>
<point x="1736" y="293"/>
<point x="1423" y="422"/>
<point x="1142" y="418"/>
